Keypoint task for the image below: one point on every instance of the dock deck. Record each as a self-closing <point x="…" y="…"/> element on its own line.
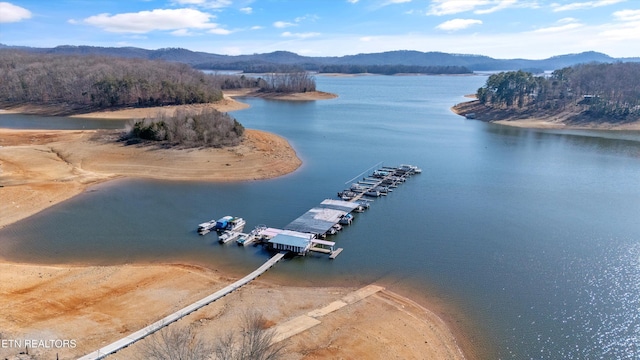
<point x="144" y="332"/>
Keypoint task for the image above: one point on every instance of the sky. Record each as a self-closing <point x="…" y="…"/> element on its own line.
<point x="504" y="29"/>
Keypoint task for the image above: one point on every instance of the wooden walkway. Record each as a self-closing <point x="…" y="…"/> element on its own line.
<point x="142" y="333"/>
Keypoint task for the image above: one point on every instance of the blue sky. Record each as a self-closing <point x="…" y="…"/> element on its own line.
<point x="532" y="29"/>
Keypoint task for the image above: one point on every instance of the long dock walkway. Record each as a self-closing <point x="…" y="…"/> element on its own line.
<point x="142" y="333"/>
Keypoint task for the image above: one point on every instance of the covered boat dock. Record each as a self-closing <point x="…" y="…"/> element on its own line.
<point x="320" y="219"/>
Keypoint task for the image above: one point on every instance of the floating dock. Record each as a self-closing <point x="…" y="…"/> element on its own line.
<point x="306" y="233"/>
<point x="326" y="218"/>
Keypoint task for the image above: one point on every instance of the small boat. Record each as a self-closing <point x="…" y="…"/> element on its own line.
<point x="372" y="193"/>
<point x="380" y="174"/>
<point x="358" y="187"/>
<point x="346" y="219"/>
<point x="410" y="169"/>
<point x="229" y="223"/>
<point x="362" y="206"/>
<point x="249" y="238"/>
<point x="347" y="195"/>
<point x="206" y="227"/>
<point x="228" y="236"/>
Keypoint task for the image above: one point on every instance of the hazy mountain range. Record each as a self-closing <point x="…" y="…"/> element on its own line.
<point x="401" y="57"/>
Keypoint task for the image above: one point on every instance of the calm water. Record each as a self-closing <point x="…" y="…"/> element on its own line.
<point x="534" y="235"/>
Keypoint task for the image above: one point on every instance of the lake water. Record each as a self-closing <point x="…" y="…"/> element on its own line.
<point x="534" y="235"/>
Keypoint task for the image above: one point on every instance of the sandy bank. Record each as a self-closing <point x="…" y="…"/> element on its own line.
<point x="555" y="121"/>
<point x="97" y="305"/>
<point x="40" y="168"/>
<point x="306" y="96"/>
<point x="225" y="105"/>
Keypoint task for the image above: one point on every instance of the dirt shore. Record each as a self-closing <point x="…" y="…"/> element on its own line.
<point x="95" y="305"/>
<point x="555" y="121"/>
<point x="40" y="168"/>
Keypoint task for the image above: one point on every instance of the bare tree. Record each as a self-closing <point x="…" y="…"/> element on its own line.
<point x="256" y="341"/>
<point x="175" y="343"/>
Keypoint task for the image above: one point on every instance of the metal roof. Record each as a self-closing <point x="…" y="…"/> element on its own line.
<point x="339" y="205"/>
<point x="316" y="221"/>
<point x="291" y="240"/>
<point x="321" y="218"/>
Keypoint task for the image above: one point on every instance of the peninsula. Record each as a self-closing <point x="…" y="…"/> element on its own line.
<point x="588" y="96"/>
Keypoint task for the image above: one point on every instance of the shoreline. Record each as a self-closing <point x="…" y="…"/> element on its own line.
<point x="227" y="104"/>
<point x="44" y="167"/>
<point x="381" y="323"/>
<point x="61" y="164"/>
<point x="41" y="168"/>
<point x="537" y="122"/>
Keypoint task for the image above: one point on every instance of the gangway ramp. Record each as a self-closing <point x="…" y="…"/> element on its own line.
<point x="144" y="332"/>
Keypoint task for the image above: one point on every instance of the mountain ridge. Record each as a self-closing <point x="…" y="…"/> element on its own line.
<point x="205" y="60"/>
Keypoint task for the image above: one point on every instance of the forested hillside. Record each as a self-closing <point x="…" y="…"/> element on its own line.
<point x="88" y="82"/>
<point x="592" y="92"/>
<point x="270" y="62"/>
<point x="93" y="82"/>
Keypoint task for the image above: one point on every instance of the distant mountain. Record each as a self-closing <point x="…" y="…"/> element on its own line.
<point x="402" y="57"/>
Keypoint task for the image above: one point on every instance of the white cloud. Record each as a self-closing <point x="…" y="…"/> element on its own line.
<point x="158" y="19"/>
<point x="627" y="29"/>
<point x="584" y="5"/>
<point x="557" y="29"/>
<point x="449" y="7"/>
<point x="283" y="24"/>
<point x="211" y="4"/>
<point x="12" y="13"/>
<point x="501" y="5"/>
<point x="627" y="15"/>
<point x="309" y="17"/>
<point x="220" y="31"/>
<point x="564" y="24"/>
<point x="182" y="32"/>
<point x="567" y="20"/>
<point x="458" y="24"/>
<point x="246" y="10"/>
<point x="353" y="1"/>
<point x="300" y="35"/>
<point x="257" y="27"/>
<point x="393" y="2"/>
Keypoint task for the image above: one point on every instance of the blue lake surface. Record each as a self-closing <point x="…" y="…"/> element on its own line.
<point x="533" y="235"/>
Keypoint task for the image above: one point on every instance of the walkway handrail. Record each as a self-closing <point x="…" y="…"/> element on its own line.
<point x="148" y="330"/>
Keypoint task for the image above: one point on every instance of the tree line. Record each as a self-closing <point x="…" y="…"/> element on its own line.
<point x="207" y="128"/>
<point x="88" y="82"/>
<point x="100" y="81"/>
<point x="597" y="91"/>
<point x="393" y="69"/>
<point x="252" y="67"/>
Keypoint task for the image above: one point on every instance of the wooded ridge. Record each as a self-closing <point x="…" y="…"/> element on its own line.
<point x="590" y="92"/>
<point x="87" y="83"/>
